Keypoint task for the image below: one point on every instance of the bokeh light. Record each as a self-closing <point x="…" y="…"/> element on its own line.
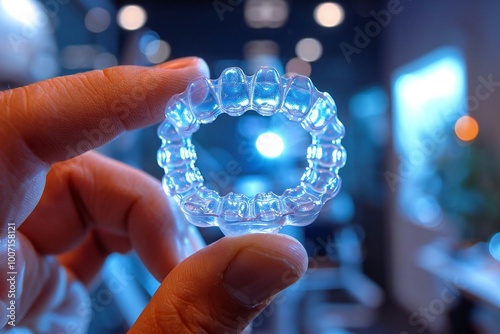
<point x="157" y="51"/>
<point x="132" y="17"/>
<point x="97" y="19"/>
<point x="266" y="13"/>
<point x="24" y="11"/>
<point x="427" y="211"/>
<point x="466" y="128"/>
<point x="309" y="49"/>
<point x="494" y="246"/>
<point x="105" y="60"/>
<point x="146" y="38"/>
<point x="329" y="14"/>
<point x="298" y="66"/>
<point x="78" y="56"/>
<point x="260" y="47"/>
<point x="270" y="145"/>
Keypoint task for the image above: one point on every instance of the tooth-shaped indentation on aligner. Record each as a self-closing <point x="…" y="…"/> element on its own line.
<point x="203" y="201"/>
<point x="267" y="207"/>
<point x="333" y="131"/>
<point x="321" y="114"/>
<point x="266" y="91"/>
<point x="168" y="133"/>
<point x="325" y="182"/>
<point x="180" y="115"/>
<point x="182" y="180"/>
<point x="298" y="98"/>
<point x="202" y="208"/>
<point x="297" y="200"/>
<point x="302" y="207"/>
<point x="203" y="100"/>
<point x="175" y="155"/>
<point x="235" y="207"/>
<point x="326" y="155"/>
<point x="233" y="91"/>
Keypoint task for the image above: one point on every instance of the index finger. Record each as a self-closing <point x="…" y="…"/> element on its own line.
<point x="63" y="117"/>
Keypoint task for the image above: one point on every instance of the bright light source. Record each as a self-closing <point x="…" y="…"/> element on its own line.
<point x="309" y="49"/>
<point x="329" y="14"/>
<point x="424" y="96"/>
<point x="427" y="92"/>
<point x="270" y="145"/>
<point x="298" y="66"/>
<point x="494" y="246"/>
<point x="24" y="11"/>
<point x="157" y="51"/>
<point x="466" y="128"/>
<point x="97" y="19"/>
<point x="132" y="17"/>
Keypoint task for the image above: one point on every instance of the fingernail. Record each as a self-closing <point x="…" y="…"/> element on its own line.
<point x="253" y="277"/>
<point x="186" y="62"/>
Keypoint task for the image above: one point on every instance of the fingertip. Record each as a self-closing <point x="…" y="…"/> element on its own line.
<point x="199" y="64"/>
<point x="279" y="245"/>
<point x="203" y="67"/>
<point x="67" y="116"/>
<point x="232" y="279"/>
<point x="265" y="265"/>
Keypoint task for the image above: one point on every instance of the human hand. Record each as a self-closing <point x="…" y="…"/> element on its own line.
<point x="71" y="209"/>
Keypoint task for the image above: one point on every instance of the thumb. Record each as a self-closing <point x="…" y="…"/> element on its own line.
<point x="223" y="287"/>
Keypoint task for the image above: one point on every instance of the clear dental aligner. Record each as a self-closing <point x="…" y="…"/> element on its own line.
<point x="267" y="93"/>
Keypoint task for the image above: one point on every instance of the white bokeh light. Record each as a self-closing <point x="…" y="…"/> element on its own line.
<point x="24" y="11"/>
<point x="270" y="145"/>
<point x="132" y="17"/>
<point x="309" y="49"/>
<point x="329" y="14"/>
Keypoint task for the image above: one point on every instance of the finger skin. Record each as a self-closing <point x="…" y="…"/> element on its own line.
<point x="94" y="206"/>
<point x="57" y="119"/>
<point x="65" y="116"/>
<point x="194" y="298"/>
<point x="48" y="297"/>
<point x="54" y="120"/>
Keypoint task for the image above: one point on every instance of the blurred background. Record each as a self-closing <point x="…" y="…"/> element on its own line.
<point x="411" y="244"/>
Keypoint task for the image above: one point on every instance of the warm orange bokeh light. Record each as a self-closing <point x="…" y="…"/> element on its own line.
<point x="466" y="128"/>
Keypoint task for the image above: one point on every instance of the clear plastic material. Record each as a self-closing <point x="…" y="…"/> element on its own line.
<point x="267" y="93"/>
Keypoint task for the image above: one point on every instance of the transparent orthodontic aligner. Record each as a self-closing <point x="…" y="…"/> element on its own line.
<point x="267" y="93"/>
